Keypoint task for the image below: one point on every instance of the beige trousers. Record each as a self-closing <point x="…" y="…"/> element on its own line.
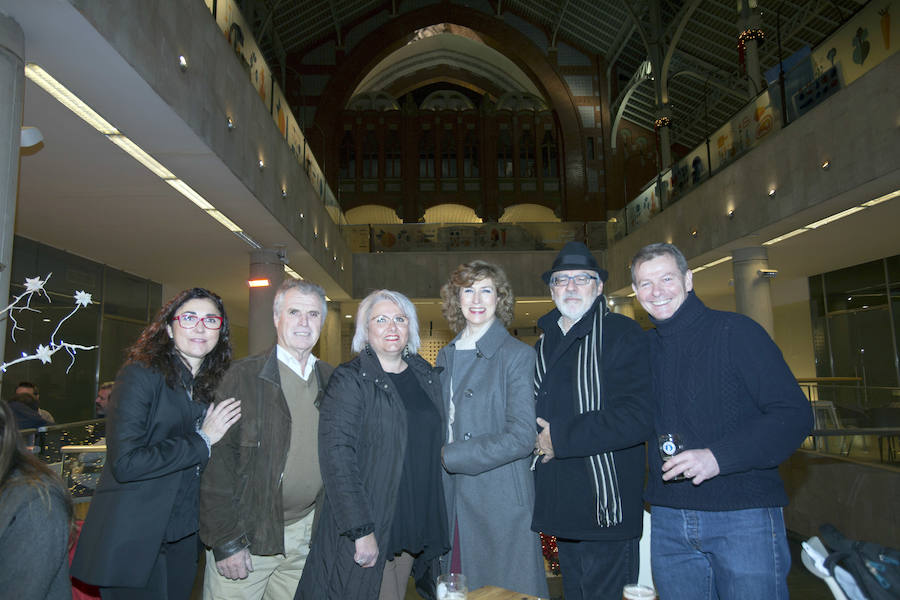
<point x="395" y="577"/>
<point x="273" y="577"/>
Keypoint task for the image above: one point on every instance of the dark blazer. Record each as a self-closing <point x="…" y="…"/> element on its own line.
<point x="151" y="440"/>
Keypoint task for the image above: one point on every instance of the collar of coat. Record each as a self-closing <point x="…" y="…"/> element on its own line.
<point x="489" y="343"/>
<point x="370" y="366"/>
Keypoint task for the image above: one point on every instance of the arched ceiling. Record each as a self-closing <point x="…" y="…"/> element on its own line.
<point x="708" y="91"/>
<point x="451" y="52"/>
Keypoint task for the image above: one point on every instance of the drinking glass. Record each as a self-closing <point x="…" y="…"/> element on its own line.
<point x="670" y="444"/>
<point x="634" y="591"/>
<point x="452" y="587"/>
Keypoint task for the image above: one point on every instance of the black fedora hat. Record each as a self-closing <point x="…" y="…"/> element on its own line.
<point x="575" y="256"/>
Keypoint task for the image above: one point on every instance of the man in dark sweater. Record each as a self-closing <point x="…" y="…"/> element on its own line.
<point x="722" y="385"/>
<point x="593" y="389"/>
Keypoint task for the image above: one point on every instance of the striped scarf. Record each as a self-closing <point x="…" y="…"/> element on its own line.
<point x="589" y="390"/>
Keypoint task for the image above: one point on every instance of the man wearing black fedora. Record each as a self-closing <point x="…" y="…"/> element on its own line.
<point x="594" y="407"/>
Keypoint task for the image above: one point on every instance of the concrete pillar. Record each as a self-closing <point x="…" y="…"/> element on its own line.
<point x="623" y="306"/>
<point x="749" y="30"/>
<point x="752" y="293"/>
<point x="330" y="339"/>
<point x="12" y="79"/>
<point x="264" y="264"/>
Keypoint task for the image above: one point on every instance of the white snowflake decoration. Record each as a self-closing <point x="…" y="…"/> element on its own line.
<point x="44" y="353"/>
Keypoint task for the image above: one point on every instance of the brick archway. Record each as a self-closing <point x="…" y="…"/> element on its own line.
<point x="496" y="34"/>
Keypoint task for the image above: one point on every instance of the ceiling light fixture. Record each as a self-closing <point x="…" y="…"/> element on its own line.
<point x="182" y="63"/>
<point x="731" y="214"/>
<point x="292" y="272"/>
<point x="254" y="283"/>
<point x="283" y="193"/>
<point x="826" y="165"/>
<point x="262" y="165"/>
<point x="771" y="192"/>
<point x="65" y="97"/>
<point x="229" y="123"/>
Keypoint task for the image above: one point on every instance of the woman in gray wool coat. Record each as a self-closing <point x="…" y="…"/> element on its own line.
<point x="489" y="430"/>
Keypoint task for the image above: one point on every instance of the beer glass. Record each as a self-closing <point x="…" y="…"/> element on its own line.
<point x="670" y="444"/>
<point x="634" y="591"/>
<point x="452" y="587"/>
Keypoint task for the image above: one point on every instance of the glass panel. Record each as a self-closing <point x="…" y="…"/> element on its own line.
<point x="126" y="295"/>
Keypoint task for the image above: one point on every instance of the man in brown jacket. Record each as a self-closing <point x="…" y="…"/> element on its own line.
<point x="258" y="493"/>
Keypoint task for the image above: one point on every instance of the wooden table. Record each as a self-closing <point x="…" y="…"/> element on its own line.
<point x="490" y="592"/>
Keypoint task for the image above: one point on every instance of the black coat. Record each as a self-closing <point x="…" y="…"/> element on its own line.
<point x="565" y="499"/>
<point x="151" y="441"/>
<point x="362" y="444"/>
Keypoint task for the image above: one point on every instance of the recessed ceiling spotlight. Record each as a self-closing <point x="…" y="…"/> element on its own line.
<point x="262" y="164"/>
<point x="694" y="233"/>
<point x="182" y="63"/>
<point x="826" y="165"/>
<point x="301" y="215"/>
<point x="283" y="193"/>
<point x="731" y="214"/>
<point x="229" y="123"/>
<point x="771" y="192"/>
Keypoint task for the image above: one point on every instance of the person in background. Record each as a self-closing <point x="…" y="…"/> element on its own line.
<point x="258" y="507"/>
<point x="27" y="387"/>
<point x="24" y="407"/>
<point x="140" y="541"/>
<point x="722" y="385"/>
<point x="380" y="453"/>
<point x="35" y="519"/>
<point x="489" y="432"/>
<point x="102" y="399"/>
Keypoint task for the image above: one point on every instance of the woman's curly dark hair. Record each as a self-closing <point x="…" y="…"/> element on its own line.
<point x="464" y="276"/>
<point x="156" y="350"/>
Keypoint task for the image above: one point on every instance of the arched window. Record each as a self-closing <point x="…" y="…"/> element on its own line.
<point x="471" y="155"/>
<point x="527" y="164"/>
<point x="426" y="154"/>
<point x="549" y="155"/>
<point x="448" y="154"/>
<point x="370" y="156"/>
<point x="347" y="167"/>
<point x="504" y="154"/>
<point x="392" y="154"/>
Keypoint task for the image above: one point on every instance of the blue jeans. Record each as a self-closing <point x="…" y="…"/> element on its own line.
<point x="724" y="555"/>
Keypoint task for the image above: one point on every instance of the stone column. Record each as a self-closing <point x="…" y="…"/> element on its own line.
<point x="12" y="79"/>
<point x="264" y="264"/>
<point x="330" y="338"/>
<point x="752" y="293"/>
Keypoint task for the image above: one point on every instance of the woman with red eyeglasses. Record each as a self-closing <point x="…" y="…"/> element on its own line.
<point x="140" y="538"/>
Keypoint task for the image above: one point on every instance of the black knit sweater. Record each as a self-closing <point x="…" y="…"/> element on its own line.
<point x="722" y="383"/>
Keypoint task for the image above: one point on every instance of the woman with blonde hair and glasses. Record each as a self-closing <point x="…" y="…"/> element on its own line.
<point x="489" y="431"/>
<point x="379" y="452"/>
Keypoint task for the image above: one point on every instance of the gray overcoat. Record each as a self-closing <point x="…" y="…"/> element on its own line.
<point x="487" y="481"/>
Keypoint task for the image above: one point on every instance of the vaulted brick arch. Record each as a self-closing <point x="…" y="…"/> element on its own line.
<point x="352" y="68"/>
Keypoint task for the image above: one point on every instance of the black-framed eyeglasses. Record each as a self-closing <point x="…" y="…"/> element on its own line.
<point x="190" y="320"/>
<point x="581" y="279"/>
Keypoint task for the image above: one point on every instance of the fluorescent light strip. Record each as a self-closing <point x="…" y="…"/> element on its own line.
<point x="786" y="236"/>
<point x="881" y="199"/>
<point x="292" y="272"/>
<point x="189" y="193"/>
<point x="65" y="97"/>
<point x="711" y="264"/>
<point x="139" y="155"/>
<point x="835" y="217"/>
<point x="43" y="79"/>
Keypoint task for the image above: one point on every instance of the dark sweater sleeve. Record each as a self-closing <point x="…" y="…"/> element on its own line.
<point x="131" y="418"/>
<point x="627" y="417"/>
<point x="780" y="417"/>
